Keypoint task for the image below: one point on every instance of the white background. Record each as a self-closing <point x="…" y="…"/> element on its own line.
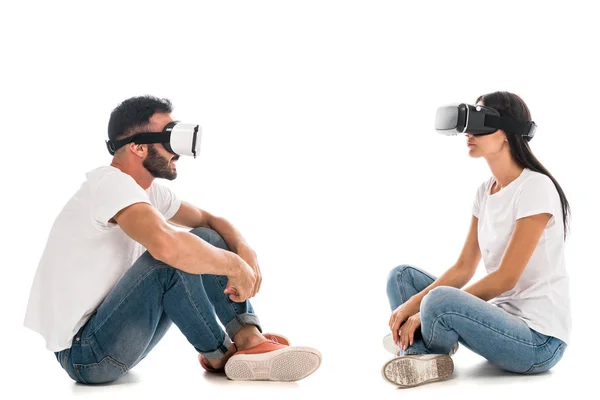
<point x="318" y="145"/>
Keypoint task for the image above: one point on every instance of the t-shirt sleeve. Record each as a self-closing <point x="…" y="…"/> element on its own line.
<point x="538" y="195"/>
<point x="164" y="199"/>
<point x="114" y="193"/>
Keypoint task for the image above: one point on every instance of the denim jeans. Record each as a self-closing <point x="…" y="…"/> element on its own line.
<point x="142" y="306"/>
<point x="450" y="315"/>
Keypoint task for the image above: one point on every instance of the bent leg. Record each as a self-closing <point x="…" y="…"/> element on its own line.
<point x="404" y="282"/>
<point x="449" y="314"/>
<point x="137" y="313"/>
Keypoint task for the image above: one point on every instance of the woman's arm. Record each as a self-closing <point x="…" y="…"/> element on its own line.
<point x="524" y="239"/>
<point x="458" y="276"/>
<point x="463" y="270"/>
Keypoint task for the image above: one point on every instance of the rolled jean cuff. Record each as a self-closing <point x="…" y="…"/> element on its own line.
<point x="220" y="352"/>
<point x="234" y="326"/>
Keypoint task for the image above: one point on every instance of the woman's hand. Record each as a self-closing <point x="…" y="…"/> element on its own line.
<point x="408" y="329"/>
<point x="400" y="315"/>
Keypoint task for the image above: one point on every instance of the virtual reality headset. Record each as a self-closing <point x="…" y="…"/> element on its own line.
<point x="177" y="138"/>
<point x="479" y="120"/>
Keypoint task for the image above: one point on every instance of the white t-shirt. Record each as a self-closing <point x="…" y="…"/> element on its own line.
<point x="86" y="255"/>
<point x="541" y="296"/>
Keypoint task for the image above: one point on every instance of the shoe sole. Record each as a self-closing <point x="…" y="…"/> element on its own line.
<point x="288" y="365"/>
<point x="412" y="370"/>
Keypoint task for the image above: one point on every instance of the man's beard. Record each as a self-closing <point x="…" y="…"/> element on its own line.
<point x="158" y="166"/>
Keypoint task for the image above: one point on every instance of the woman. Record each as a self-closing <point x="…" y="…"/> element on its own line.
<point x="519" y="226"/>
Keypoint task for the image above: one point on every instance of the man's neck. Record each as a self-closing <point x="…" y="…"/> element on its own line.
<point x="136" y="171"/>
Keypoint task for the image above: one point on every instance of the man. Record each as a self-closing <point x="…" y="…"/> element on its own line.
<point x="116" y="270"/>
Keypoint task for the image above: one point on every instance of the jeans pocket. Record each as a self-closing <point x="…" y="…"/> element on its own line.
<point x="549" y="363"/>
<point x="107" y="370"/>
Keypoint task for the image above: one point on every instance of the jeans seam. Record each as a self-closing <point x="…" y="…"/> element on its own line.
<point x="194" y="306"/>
<point x="428" y="343"/>
<point x="227" y="300"/>
<point x="400" y="287"/>
<point x="63" y="358"/>
<point x="78" y="375"/>
<point x="135" y="286"/>
<point x="109" y="359"/>
<point x="549" y="360"/>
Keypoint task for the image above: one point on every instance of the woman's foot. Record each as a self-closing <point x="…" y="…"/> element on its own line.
<point x="271" y="361"/>
<point x="417" y="369"/>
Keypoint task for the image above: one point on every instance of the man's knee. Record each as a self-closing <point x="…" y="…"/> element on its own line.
<point x="211" y="236"/>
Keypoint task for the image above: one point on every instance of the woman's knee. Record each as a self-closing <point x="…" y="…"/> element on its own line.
<point x="440" y="300"/>
<point x="395" y="275"/>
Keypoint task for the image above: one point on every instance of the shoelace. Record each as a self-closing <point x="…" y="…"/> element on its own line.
<point x="272" y="339"/>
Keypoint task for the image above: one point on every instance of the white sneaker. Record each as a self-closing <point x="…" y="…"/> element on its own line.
<point x="454" y="349"/>
<point x="417" y="369"/>
<point x="389" y="345"/>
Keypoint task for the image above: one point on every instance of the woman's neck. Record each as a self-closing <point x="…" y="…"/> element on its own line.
<point x="504" y="169"/>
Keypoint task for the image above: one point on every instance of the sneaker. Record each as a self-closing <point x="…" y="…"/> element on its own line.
<point x="269" y="336"/>
<point x="454" y="349"/>
<point x="417" y="369"/>
<point x="277" y="338"/>
<point x="272" y="361"/>
<point x="389" y="345"/>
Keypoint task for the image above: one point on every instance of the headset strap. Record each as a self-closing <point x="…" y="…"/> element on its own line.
<point x="509" y="125"/>
<point x="139" y="138"/>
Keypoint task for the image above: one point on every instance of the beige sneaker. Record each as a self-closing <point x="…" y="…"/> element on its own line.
<point x="417" y="369"/>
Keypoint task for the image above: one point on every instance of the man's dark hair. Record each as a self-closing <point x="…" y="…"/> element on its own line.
<point x="133" y="115"/>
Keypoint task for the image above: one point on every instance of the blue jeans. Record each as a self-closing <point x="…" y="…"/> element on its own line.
<point x="450" y="315"/>
<point x="138" y="311"/>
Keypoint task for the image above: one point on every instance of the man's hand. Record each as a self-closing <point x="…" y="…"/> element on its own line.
<point x="241" y="281"/>
<point x="401" y="314"/>
<point x="408" y="329"/>
<point x="248" y="255"/>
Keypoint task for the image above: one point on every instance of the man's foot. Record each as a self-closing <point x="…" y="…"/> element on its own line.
<point x="218" y="365"/>
<point x="272" y="361"/>
<point x="417" y="369"/>
<point x="389" y="345"/>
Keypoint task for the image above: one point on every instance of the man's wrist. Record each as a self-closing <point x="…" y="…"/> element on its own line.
<point x="242" y="247"/>
<point x="231" y="264"/>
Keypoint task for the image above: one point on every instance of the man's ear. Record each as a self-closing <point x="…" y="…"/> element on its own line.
<point x="139" y="150"/>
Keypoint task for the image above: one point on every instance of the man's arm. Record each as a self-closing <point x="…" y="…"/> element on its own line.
<point x="191" y="217"/>
<point x="184" y="250"/>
